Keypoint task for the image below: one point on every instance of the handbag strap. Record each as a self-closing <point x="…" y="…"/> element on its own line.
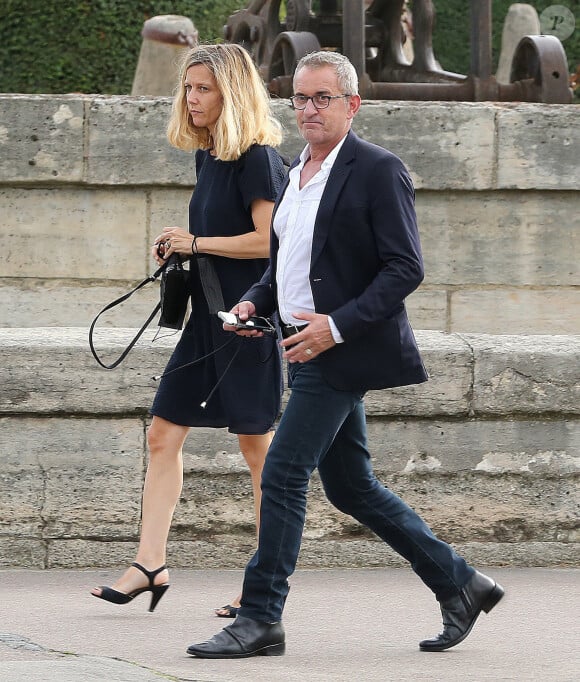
<point x="138" y="335"/>
<point x="210" y="284"/>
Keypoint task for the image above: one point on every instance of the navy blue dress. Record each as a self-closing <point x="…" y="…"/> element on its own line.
<point x="248" y="394"/>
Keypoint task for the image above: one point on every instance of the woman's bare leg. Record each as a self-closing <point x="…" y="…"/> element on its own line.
<point x="163" y="482"/>
<point x="254" y="449"/>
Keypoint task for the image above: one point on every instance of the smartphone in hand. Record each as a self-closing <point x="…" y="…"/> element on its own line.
<point x="259" y="324"/>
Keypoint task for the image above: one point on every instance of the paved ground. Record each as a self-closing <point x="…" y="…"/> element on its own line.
<point x="341" y="625"/>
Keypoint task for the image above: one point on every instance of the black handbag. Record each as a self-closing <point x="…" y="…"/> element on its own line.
<point x="174" y="294"/>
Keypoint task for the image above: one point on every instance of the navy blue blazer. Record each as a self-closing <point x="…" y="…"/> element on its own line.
<point x="366" y="259"/>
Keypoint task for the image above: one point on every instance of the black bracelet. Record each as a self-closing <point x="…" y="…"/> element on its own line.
<point x="194" y="245"/>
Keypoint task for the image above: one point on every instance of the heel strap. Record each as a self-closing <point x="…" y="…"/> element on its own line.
<point x="150" y="574"/>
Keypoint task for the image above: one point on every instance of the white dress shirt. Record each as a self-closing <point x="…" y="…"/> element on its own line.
<point x="294" y="227"/>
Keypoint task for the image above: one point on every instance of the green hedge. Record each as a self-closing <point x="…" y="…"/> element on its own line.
<point x="92" y="46"/>
<point x="89" y="46"/>
<point x="451" y="35"/>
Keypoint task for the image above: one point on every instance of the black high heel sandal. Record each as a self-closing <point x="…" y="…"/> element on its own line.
<point x="230" y="611"/>
<point x="157" y="591"/>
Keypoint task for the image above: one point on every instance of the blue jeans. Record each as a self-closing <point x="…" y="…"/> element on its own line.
<point x="326" y="428"/>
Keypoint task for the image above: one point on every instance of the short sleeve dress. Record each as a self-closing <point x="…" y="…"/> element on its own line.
<point x="243" y="395"/>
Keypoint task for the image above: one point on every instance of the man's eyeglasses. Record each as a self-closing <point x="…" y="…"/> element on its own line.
<point x="300" y="102"/>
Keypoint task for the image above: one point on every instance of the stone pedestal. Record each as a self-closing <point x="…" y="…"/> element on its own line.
<point x="521" y="20"/>
<point x="165" y="39"/>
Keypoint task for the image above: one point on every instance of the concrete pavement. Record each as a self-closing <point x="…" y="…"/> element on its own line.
<point x="341" y="625"/>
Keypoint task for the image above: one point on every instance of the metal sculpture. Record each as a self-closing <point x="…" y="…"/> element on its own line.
<point x="371" y="35"/>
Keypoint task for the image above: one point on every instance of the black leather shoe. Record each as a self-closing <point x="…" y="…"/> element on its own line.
<point x="243" y="638"/>
<point x="461" y="611"/>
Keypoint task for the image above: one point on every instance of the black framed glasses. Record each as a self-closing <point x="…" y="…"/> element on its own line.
<point x="299" y="102"/>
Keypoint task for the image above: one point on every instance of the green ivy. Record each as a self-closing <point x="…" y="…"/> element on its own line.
<point x="92" y="46"/>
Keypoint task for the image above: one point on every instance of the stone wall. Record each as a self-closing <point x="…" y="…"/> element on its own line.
<point x="487" y="451"/>
<point x="86" y="181"/>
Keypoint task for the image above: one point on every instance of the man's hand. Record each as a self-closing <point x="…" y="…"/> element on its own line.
<point x="309" y="343"/>
<point x="244" y="310"/>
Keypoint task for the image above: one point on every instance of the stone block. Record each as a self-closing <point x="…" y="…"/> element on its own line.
<point x="503" y="519"/>
<point x="445" y="145"/>
<point x="41" y="138"/>
<point x="314" y="554"/>
<point x="370" y="553"/>
<point x="51" y="370"/>
<point x="22" y="485"/>
<point x="22" y="552"/>
<point x="167" y="208"/>
<point x="85" y="553"/>
<point x="521" y="311"/>
<point x="520" y="476"/>
<point x="217" y="491"/>
<point x="414" y="446"/>
<point x="538" y="147"/>
<point x="74" y="233"/>
<point x="453" y="143"/>
<point x="509" y="508"/>
<point x="212" y="451"/>
<point x="30" y="302"/>
<point x="202" y="553"/>
<point x="212" y="506"/>
<point x="509" y="446"/>
<point x="208" y="552"/>
<point x="98" y="491"/>
<point x="427" y="309"/>
<point x="508" y="238"/>
<point x="528" y="553"/>
<point x="468" y="508"/>
<point x="540" y="376"/>
<point x="127" y="144"/>
<point x="54" y="371"/>
<point x="88" y="473"/>
<point x="494" y="502"/>
<point x="448" y="361"/>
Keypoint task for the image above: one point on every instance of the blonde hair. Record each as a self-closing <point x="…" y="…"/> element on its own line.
<point x="246" y="117"/>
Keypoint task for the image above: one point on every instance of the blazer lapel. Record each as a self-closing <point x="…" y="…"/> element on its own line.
<point x="334" y="185"/>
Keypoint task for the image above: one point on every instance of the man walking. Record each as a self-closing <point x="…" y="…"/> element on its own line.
<point x="345" y="254"/>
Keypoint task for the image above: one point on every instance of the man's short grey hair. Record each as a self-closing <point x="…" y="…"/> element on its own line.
<point x="345" y="71"/>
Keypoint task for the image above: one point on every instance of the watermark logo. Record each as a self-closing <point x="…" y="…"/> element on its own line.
<point x="557" y="20"/>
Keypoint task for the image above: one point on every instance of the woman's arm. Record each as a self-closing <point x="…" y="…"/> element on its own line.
<point x="250" y="245"/>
